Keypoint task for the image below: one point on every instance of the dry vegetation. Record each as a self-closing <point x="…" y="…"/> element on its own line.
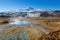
<point x="4" y="20"/>
<point x="33" y="32"/>
<point x="51" y="24"/>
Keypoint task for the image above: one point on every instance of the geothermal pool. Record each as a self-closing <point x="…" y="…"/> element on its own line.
<point x="21" y="23"/>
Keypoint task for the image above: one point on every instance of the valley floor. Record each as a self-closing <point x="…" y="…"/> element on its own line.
<point x="41" y="26"/>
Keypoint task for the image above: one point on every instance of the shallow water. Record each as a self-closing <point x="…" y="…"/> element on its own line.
<point x="21" y="23"/>
<point x="24" y="23"/>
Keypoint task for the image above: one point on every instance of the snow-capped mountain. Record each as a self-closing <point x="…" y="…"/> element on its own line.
<point x="30" y="11"/>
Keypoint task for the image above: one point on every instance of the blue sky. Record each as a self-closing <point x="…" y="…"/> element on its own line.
<point x="14" y="4"/>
